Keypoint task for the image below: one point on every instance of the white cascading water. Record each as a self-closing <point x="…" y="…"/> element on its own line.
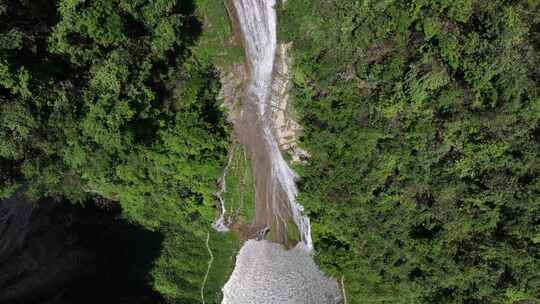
<point x="266" y="272"/>
<point x="258" y="23"/>
<point x="220" y="224"/>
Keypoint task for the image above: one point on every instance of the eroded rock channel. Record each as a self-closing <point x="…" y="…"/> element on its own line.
<point x="266" y="272"/>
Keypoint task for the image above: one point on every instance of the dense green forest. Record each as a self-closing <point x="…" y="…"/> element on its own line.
<point x="422" y="119"/>
<point x="117" y="100"/>
<point x="106" y="99"/>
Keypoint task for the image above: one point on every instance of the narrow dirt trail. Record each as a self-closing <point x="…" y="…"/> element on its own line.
<point x="210" y="262"/>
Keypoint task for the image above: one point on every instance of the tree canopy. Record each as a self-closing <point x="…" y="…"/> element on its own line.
<point x="107" y="99"/>
<point x="422" y="119"/>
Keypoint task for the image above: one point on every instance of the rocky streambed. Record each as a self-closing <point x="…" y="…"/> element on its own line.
<point x="266" y="272"/>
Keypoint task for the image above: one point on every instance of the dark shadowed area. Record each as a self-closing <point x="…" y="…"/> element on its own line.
<point x="63" y="253"/>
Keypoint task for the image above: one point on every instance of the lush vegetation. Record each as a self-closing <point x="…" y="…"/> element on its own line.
<point x="218" y="42"/>
<point x="115" y="99"/>
<point x="239" y="187"/>
<point x="109" y="101"/>
<point x="179" y="272"/>
<point x="422" y="119"/>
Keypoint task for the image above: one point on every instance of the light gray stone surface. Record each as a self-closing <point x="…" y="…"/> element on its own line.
<point x="267" y="273"/>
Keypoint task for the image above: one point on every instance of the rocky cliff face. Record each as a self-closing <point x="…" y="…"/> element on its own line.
<point x="287" y="130"/>
<point x="61" y="253"/>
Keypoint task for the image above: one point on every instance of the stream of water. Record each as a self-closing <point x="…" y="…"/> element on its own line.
<point x="266" y="272"/>
<point x="276" y="187"/>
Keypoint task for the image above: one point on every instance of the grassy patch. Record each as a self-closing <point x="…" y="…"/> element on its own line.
<point x="240" y="193"/>
<point x="179" y="272"/>
<point x="225" y="247"/>
<point x="293" y="233"/>
<point x="217" y="44"/>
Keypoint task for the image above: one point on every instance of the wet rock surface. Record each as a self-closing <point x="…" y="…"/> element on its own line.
<point x="266" y="272"/>
<point x="232" y="81"/>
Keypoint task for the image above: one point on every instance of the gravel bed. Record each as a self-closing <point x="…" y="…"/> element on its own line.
<point x="266" y="272"/>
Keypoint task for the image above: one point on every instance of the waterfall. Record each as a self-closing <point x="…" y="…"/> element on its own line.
<point x="258" y="23"/>
<point x="265" y="272"/>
